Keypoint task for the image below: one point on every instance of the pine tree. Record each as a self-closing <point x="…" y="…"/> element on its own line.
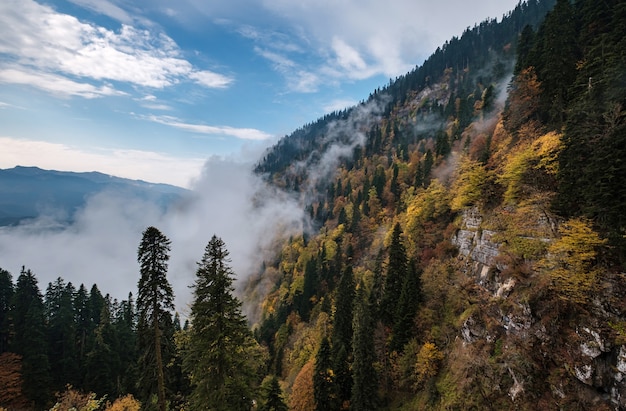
<point x="323" y="380"/>
<point x="155" y="300"/>
<point x="103" y="359"/>
<point x="6" y="295"/>
<point x="83" y="329"/>
<point x="311" y="280"/>
<point x="342" y="335"/>
<point x="220" y="343"/>
<point x="125" y="330"/>
<point x="406" y="309"/>
<point x="272" y="396"/>
<point x="396" y="274"/>
<point x="30" y="338"/>
<point x="62" y="334"/>
<point x="365" y="379"/>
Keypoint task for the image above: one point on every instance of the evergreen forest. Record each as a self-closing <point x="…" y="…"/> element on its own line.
<point x="464" y="249"/>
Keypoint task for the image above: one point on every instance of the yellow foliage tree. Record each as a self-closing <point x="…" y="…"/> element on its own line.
<point x="514" y="172"/>
<point x="427" y="363"/>
<point x="548" y="147"/>
<point x="571" y="259"/>
<point x="531" y="167"/>
<point x="126" y="403"/>
<point x="469" y="184"/>
<point x="74" y="400"/>
<point x="426" y="207"/>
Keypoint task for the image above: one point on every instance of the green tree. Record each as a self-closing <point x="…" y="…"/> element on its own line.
<point x="6" y="296"/>
<point x="62" y="334"/>
<point x="126" y="334"/>
<point x="272" y="399"/>
<point x="83" y="327"/>
<point x="155" y="300"/>
<point x="220" y="344"/>
<point x="396" y="275"/>
<point x="364" y="376"/>
<point x="323" y="379"/>
<point x="342" y="335"/>
<point x="30" y="338"/>
<point x="103" y="359"/>
<point x="311" y="279"/>
<point x="406" y="309"/>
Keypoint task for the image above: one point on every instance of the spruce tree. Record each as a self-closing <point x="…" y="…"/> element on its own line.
<point x="396" y="274"/>
<point x="220" y="343"/>
<point x="155" y="300"/>
<point x="30" y="338"/>
<point x="406" y="309"/>
<point x="62" y="334"/>
<point x="311" y="280"/>
<point x="272" y="396"/>
<point x="126" y="332"/>
<point x="342" y="335"/>
<point x="6" y="296"/>
<point x="323" y="380"/>
<point x="103" y="359"/>
<point x="81" y="314"/>
<point x="364" y="376"/>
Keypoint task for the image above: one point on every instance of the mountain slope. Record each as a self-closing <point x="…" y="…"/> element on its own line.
<point x="493" y="278"/>
<point x="27" y="192"/>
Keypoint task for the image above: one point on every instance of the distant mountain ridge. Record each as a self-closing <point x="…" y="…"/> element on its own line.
<point x="28" y="192"/>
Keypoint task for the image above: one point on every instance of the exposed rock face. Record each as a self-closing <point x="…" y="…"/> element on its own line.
<point x="581" y="349"/>
<point x="474" y="242"/>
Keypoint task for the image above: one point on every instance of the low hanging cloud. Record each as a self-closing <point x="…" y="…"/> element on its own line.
<point x="51" y="51"/>
<point x="100" y="246"/>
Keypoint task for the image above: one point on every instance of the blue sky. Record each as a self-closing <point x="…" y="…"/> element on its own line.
<point x="152" y="89"/>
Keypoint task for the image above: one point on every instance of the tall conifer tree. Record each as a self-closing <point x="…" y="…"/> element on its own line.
<point x="323" y="380"/>
<point x="342" y="335"/>
<point x="220" y="343"/>
<point x="155" y="300"/>
<point x="30" y="338"/>
<point x="396" y="274"/>
<point x="365" y="379"/>
<point x="6" y="295"/>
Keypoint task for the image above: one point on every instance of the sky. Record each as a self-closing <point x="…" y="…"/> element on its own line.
<point x="153" y="89"/>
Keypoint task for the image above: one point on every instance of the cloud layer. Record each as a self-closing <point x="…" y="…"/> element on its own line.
<point x="101" y="245"/>
<point x="58" y="53"/>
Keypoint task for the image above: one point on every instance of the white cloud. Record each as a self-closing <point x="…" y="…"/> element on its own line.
<point x="210" y="79"/>
<point x="134" y="164"/>
<point x="105" y="7"/>
<point x="55" y="84"/>
<point x="241" y="133"/>
<point x="338" y="105"/>
<point x="280" y="62"/>
<point x="347" y="57"/>
<point x="39" y="39"/>
<point x="375" y="37"/>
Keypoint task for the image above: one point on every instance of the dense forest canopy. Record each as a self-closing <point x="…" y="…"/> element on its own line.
<point x="465" y="251"/>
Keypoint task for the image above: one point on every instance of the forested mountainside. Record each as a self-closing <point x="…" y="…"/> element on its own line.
<point x="465" y="250"/>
